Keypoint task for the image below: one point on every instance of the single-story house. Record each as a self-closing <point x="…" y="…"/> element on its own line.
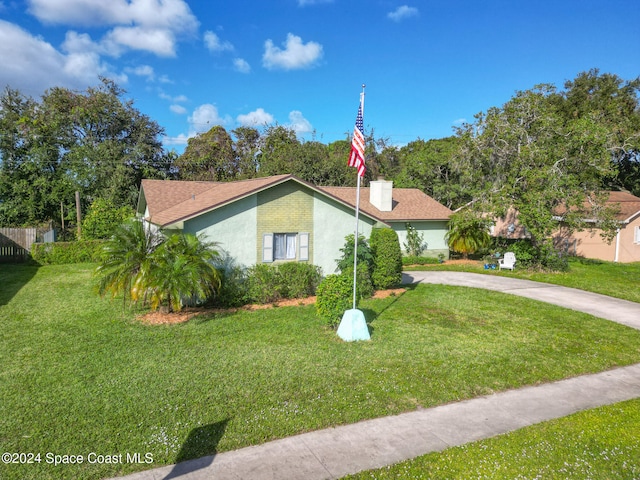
<point x="624" y="248"/>
<point x="283" y="218"/>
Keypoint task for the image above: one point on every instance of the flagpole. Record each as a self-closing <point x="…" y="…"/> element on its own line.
<point x="355" y="242"/>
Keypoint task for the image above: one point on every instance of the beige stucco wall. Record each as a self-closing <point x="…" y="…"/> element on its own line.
<point x="590" y="244"/>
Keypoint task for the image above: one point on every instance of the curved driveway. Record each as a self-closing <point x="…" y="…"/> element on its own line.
<point x="614" y="309"/>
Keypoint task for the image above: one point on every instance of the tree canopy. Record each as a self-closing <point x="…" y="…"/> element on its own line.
<point x="94" y="142"/>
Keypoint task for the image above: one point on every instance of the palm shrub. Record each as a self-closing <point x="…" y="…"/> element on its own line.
<point x="468" y="233"/>
<point x="123" y="256"/>
<point x="180" y="270"/>
<point x="387" y="258"/>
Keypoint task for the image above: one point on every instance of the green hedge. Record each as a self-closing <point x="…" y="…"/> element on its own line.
<point x="334" y="297"/>
<point x="58" y="253"/>
<point x="412" y="260"/>
<point x="387" y="258"/>
<point x="270" y="283"/>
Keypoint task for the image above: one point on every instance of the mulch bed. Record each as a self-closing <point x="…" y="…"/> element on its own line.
<point x="186" y="314"/>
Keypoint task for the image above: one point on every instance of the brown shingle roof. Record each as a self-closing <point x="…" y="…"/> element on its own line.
<point x="629" y="204"/>
<point x="171" y="201"/>
<point x="408" y="204"/>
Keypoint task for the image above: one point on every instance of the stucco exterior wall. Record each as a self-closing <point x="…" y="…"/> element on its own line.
<point x="433" y="234"/>
<point x="589" y="244"/>
<point x="232" y="226"/>
<point x="332" y="223"/>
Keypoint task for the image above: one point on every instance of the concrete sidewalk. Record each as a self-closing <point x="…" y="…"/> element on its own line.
<point x="335" y="452"/>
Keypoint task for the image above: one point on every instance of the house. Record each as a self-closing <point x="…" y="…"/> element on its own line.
<point x="283" y="218"/>
<point x="624" y="248"/>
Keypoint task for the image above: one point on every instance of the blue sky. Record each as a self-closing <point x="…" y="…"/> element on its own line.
<point x="428" y="64"/>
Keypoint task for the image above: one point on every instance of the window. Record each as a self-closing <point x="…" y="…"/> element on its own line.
<point x="285" y="246"/>
<point x="636" y="236"/>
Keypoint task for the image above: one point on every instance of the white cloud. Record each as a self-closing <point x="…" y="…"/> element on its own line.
<point x="181" y="139"/>
<point x="142" y="71"/>
<point x="179" y="109"/>
<point x="256" y="118"/>
<point x="214" y="44"/>
<point x="403" y="12"/>
<point x="295" y="55"/>
<point x="298" y="123"/>
<point x="241" y="65"/>
<point x="205" y="117"/>
<point x="32" y="65"/>
<point x="149" y="25"/>
<point x="162" y="42"/>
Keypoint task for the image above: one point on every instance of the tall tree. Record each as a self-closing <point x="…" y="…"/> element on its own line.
<point x="526" y="155"/>
<point x="279" y="152"/>
<point x="93" y="142"/>
<point x="209" y="156"/>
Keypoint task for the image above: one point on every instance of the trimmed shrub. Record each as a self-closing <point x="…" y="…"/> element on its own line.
<point x="270" y="283"/>
<point x="411" y="260"/>
<point x="334" y="297"/>
<point x="364" y="285"/>
<point x="263" y="284"/>
<point x="59" y="253"/>
<point x="299" y="280"/>
<point x="387" y="258"/>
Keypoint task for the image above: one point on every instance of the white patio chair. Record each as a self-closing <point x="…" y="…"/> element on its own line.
<point x="508" y="262"/>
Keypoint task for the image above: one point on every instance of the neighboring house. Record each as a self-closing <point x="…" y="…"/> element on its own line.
<point x="283" y="218"/>
<point x="624" y="248"/>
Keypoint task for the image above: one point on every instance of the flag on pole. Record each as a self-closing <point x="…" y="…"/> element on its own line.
<point x="356" y="158"/>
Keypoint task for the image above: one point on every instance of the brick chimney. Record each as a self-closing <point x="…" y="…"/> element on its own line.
<point x="381" y="194"/>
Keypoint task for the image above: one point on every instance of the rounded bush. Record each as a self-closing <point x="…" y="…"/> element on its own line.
<point x="334" y="297"/>
<point x="387" y="258"/>
<point x="364" y="285"/>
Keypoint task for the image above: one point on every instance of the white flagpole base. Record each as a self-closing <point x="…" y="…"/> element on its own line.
<point x="353" y="326"/>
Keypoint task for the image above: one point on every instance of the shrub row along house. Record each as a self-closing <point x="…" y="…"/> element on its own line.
<point x="283" y="218"/>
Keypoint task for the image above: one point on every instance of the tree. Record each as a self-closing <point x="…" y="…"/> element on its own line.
<point x="246" y="148"/>
<point x="209" y="156"/>
<point x="528" y="156"/>
<point x="93" y="142"/>
<point x="467" y="233"/>
<point x="427" y="165"/>
<point x="104" y="218"/>
<point x="279" y="152"/>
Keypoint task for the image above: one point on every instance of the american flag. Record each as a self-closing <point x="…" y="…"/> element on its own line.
<point x="356" y="158"/>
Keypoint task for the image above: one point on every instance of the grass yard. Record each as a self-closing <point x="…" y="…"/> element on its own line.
<point x="600" y="443"/>
<point x="621" y="280"/>
<point x="80" y="375"/>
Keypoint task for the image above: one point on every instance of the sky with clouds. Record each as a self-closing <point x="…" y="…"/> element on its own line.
<point x="428" y="65"/>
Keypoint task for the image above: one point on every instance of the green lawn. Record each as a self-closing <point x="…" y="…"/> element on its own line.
<point x="621" y="280"/>
<point x="601" y="444"/>
<point x="79" y="374"/>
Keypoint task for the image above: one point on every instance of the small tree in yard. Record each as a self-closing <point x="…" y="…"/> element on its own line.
<point x="415" y="245"/>
<point x="387" y="258"/>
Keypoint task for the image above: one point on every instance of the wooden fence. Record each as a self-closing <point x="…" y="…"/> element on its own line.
<point x="15" y="244"/>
